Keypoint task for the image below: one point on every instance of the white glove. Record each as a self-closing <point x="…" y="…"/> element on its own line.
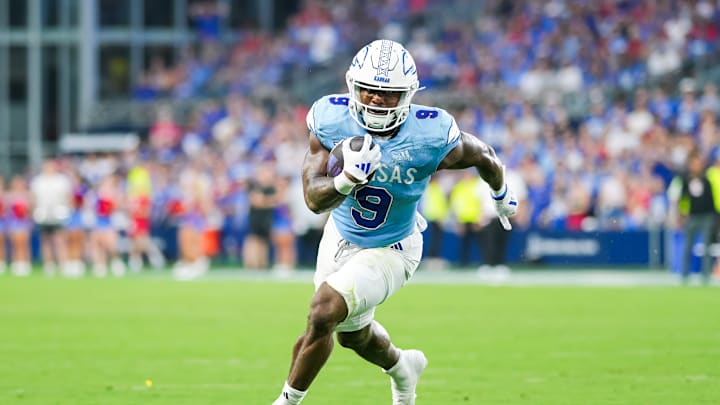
<point x="357" y="164"/>
<point x="506" y="205"/>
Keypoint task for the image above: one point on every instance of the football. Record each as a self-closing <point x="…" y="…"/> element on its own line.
<point x="336" y="161"/>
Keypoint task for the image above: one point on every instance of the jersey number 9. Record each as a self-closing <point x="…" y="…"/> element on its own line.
<point x="375" y="203"/>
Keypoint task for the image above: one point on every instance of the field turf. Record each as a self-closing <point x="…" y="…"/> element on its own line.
<point x="98" y="342"/>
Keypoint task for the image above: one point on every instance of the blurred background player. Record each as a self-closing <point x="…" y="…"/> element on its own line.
<point x="263" y="194"/>
<point x="138" y="188"/>
<point x="196" y="203"/>
<point x="493" y="238"/>
<point x="307" y="225"/>
<point x="52" y="201"/>
<point x="3" y="227"/>
<point x="434" y="207"/>
<point x="19" y="224"/>
<point x="104" y="236"/>
<point x="282" y="235"/>
<point x="696" y="205"/>
<point x="466" y="204"/>
<point x="76" y="226"/>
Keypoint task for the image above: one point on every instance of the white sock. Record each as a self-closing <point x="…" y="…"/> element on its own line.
<point x="135" y="263"/>
<point x="155" y="256"/>
<point x="405" y="376"/>
<point x="396" y="371"/>
<point x="49" y="268"/>
<point x="156" y="259"/>
<point x="117" y="267"/>
<point x="21" y="268"/>
<point x="100" y="269"/>
<point x="80" y="265"/>
<point x="69" y="268"/>
<point x="289" y="396"/>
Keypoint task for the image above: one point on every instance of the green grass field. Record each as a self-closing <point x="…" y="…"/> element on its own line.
<point x="98" y="341"/>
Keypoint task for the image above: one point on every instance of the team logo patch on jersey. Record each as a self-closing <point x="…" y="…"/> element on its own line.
<point x="402" y="156"/>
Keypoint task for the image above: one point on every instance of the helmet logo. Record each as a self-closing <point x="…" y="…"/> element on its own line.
<point x="410" y="68"/>
<point x="357" y="62"/>
<point x="384" y="65"/>
<point x="384" y="62"/>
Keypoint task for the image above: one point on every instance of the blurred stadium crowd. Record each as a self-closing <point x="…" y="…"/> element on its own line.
<point x="582" y="99"/>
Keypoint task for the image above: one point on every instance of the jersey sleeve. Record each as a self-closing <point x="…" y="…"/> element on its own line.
<point x="324" y="118"/>
<point x="310" y="119"/>
<point x="449" y="135"/>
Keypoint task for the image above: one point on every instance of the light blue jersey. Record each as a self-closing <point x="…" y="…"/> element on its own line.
<point x="383" y="211"/>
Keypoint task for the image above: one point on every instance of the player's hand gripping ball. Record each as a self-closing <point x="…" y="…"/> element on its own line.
<point x="336" y="160"/>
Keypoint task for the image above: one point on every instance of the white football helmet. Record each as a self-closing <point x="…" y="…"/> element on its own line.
<point x="382" y="65"/>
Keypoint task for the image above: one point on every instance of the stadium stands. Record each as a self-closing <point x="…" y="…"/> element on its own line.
<point x="584" y="100"/>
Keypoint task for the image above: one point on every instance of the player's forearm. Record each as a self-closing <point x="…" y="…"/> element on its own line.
<point x="319" y="189"/>
<point x="321" y="195"/>
<point x="487" y="163"/>
<point x="472" y="152"/>
<point x="491" y="170"/>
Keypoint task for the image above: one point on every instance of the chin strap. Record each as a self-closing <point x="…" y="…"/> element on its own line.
<point x="385" y="134"/>
<point x="384" y="119"/>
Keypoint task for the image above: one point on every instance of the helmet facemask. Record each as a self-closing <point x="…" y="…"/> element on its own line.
<point x="376" y="118"/>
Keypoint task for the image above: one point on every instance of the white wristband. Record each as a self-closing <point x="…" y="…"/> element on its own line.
<point x="343" y="184"/>
<point x="499" y="194"/>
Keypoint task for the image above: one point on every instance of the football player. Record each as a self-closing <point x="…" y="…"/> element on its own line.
<point x="372" y="242"/>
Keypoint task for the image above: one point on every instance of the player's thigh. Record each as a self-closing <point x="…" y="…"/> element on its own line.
<point x="369" y="277"/>
<point x="330" y="256"/>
